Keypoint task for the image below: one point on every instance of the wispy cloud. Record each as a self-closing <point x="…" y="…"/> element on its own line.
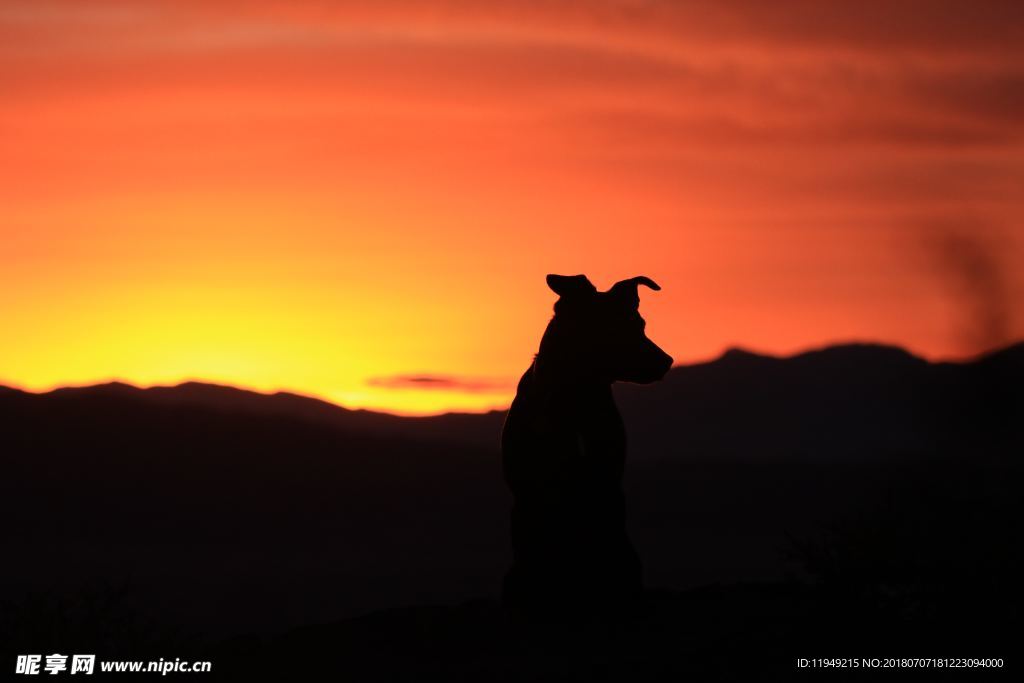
<point x="441" y="383"/>
<point x="968" y="255"/>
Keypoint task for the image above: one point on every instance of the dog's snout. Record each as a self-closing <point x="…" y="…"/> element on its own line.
<point x="666" y="363"/>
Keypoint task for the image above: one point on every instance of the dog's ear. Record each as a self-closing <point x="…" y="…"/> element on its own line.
<point x="626" y="290"/>
<point x="570" y="285"/>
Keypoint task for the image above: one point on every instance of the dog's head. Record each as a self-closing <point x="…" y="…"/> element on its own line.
<point x="600" y="335"/>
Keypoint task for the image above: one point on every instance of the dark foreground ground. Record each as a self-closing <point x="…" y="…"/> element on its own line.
<point x="738" y="632"/>
<point x="855" y="502"/>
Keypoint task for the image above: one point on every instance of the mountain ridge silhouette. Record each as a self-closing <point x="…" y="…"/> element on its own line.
<point x="731" y="354"/>
<point x="650" y="412"/>
<point x="233" y="511"/>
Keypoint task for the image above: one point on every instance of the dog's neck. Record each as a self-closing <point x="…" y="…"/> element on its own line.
<point x="563" y="388"/>
<point x="555" y="401"/>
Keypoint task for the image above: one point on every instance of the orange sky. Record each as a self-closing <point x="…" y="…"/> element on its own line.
<point x="328" y="197"/>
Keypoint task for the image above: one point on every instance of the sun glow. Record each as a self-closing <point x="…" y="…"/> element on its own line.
<point x="312" y="197"/>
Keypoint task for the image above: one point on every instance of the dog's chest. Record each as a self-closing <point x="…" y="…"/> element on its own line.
<point x="588" y="438"/>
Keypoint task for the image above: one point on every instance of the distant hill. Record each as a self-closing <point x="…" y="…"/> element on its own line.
<point x="470" y="429"/>
<point x="224" y="510"/>
<point x="852" y="401"/>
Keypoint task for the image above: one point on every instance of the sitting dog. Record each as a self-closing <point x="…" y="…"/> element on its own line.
<point x="564" y="449"/>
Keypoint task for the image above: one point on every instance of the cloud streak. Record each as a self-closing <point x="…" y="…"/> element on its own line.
<point x="441" y="383"/>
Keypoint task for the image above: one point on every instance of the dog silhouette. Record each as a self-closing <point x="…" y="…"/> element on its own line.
<point x="564" y="450"/>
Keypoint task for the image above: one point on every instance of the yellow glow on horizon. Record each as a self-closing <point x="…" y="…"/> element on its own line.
<point x="310" y="196"/>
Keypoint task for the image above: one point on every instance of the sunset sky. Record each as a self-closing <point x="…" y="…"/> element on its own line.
<point x="339" y="198"/>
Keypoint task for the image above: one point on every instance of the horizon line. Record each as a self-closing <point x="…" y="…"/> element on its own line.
<point x="396" y="413"/>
